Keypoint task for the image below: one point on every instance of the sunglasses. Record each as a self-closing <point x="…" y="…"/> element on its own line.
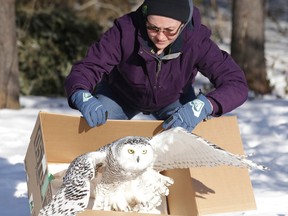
<point x="166" y="31"/>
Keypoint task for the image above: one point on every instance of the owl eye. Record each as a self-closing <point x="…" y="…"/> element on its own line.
<point x="144" y="151"/>
<point x="131" y="151"/>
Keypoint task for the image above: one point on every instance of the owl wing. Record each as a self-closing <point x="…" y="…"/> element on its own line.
<point x="74" y="193"/>
<point x="177" y="148"/>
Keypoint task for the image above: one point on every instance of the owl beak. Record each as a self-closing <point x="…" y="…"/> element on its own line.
<point x="138" y="159"/>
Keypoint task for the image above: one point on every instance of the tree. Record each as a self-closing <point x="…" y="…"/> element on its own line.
<point x="9" y="74"/>
<point x="248" y="40"/>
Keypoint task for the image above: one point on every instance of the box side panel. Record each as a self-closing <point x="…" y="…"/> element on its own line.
<point x="222" y="189"/>
<point x="39" y="188"/>
<point x="182" y="200"/>
<point x="30" y="166"/>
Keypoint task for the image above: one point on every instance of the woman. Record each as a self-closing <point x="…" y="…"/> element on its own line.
<point x="147" y="62"/>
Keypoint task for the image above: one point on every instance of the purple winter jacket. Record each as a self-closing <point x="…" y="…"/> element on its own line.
<point x="148" y="82"/>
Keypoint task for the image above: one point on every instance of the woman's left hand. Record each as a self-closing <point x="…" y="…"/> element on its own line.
<point x="190" y="114"/>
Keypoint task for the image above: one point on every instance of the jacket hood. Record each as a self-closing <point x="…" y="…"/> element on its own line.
<point x="175" y="47"/>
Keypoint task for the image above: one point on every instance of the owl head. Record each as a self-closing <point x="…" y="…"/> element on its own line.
<point x="134" y="153"/>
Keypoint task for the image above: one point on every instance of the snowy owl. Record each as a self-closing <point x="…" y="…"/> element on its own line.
<point x="125" y="175"/>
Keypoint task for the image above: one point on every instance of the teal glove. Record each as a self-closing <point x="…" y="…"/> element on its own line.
<point x="190" y="114"/>
<point x="91" y="108"/>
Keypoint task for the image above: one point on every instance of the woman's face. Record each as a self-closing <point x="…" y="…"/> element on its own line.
<point x="162" y="31"/>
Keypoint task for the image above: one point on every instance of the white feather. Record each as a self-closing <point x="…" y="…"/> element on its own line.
<point x="177" y="148"/>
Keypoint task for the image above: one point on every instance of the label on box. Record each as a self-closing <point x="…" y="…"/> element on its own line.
<point x="41" y="168"/>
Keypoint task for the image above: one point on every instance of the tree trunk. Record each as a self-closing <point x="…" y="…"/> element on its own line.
<point x="248" y="42"/>
<point x="9" y="73"/>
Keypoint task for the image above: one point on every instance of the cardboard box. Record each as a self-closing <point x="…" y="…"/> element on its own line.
<point x="198" y="191"/>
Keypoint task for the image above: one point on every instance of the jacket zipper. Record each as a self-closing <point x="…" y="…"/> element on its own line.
<point x="159" y="65"/>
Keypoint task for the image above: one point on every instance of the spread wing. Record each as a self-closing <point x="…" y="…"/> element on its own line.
<point x="177" y="148"/>
<point x="74" y="193"/>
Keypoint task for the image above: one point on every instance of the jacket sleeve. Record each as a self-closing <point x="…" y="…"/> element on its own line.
<point x="224" y="73"/>
<point x="100" y="59"/>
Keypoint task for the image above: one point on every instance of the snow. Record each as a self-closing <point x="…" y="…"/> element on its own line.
<point x="263" y="124"/>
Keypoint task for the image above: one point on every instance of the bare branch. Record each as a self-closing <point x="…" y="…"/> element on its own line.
<point x="100" y="5"/>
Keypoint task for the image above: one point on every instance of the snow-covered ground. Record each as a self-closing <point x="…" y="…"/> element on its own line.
<point x="263" y="124"/>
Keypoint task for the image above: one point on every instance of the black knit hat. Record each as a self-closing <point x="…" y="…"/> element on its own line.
<point x="175" y="9"/>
